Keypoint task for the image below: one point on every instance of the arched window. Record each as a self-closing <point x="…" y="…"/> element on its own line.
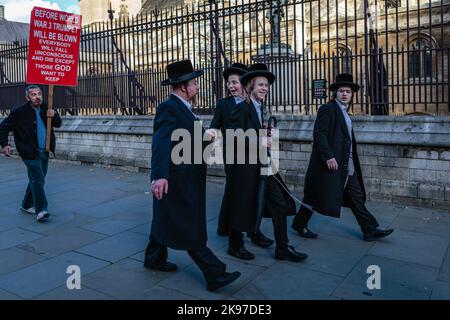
<point x="420" y="58"/>
<point x="342" y="61"/>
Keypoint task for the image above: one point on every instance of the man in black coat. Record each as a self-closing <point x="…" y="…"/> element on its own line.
<point x="245" y="179"/>
<point x="221" y="121"/>
<point x="334" y="177"/>
<point x="29" y="126"/>
<point x="179" y="187"/>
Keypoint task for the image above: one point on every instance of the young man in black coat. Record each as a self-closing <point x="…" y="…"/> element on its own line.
<point x="334" y="178"/>
<point x="179" y="213"/>
<point x="29" y="126"/>
<point x="221" y="121"/>
<point x="245" y="179"/>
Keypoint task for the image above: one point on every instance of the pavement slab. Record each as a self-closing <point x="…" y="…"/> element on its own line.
<point x="100" y="220"/>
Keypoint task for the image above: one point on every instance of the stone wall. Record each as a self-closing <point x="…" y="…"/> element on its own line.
<point x="404" y="160"/>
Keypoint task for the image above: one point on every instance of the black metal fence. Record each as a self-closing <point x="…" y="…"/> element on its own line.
<point x="398" y="52"/>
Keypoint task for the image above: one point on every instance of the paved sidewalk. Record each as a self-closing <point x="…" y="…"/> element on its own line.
<point x="100" y="222"/>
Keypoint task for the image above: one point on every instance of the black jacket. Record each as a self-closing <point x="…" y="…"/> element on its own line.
<point x="221" y="121"/>
<point x="324" y="189"/>
<point x="222" y="115"/>
<point x="22" y="122"/>
<point x="243" y="179"/>
<point x="179" y="218"/>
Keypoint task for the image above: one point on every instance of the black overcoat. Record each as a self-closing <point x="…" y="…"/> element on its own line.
<point x="221" y="121"/>
<point x="179" y="218"/>
<point x="244" y="178"/>
<point x="324" y="189"/>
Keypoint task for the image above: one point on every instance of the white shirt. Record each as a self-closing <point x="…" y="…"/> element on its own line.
<point x="257" y="106"/>
<point x="187" y="104"/>
<point x="238" y="100"/>
<point x="348" y="122"/>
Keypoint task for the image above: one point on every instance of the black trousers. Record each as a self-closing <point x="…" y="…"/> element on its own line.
<point x="276" y="204"/>
<point x="223" y="219"/>
<point x="353" y="192"/>
<point x="235" y="239"/>
<point x="209" y="264"/>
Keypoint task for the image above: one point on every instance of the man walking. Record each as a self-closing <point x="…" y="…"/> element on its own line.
<point x="179" y="213"/>
<point x="247" y="198"/>
<point x="221" y="120"/>
<point x="28" y="124"/>
<point x="334" y="177"/>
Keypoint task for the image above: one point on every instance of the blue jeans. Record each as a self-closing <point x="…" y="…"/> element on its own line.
<point x="35" y="195"/>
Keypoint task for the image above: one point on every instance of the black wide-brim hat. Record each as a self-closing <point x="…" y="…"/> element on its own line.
<point x="180" y="71"/>
<point x="235" y="68"/>
<point x="257" y="70"/>
<point x="344" y="80"/>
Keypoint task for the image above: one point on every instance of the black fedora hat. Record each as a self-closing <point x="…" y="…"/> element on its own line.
<point x="235" y="68"/>
<point x="257" y="70"/>
<point x="344" y="80"/>
<point x="180" y="71"/>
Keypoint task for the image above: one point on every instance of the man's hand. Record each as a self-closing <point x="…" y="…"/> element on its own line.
<point x="159" y="187"/>
<point x="50" y="113"/>
<point x="266" y="142"/>
<point x="211" y="134"/>
<point x="7" y="151"/>
<point x="332" y="164"/>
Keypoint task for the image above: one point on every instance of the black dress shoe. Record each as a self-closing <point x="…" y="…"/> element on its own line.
<point x="241" y="253"/>
<point x="289" y="254"/>
<point x="165" y="266"/>
<point x="260" y="240"/>
<point x="377" y="234"/>
<point x="304" y="232"/>
<point x="223" y="280"/>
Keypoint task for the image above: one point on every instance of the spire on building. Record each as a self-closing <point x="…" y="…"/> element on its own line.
<point x="123" y="11"/>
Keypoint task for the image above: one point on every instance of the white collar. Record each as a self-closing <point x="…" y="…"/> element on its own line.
<point x="182" y="100"/>
<point x="340" y="104"/>
<point x="238" y="99"/>
<point x="256" y="103"/>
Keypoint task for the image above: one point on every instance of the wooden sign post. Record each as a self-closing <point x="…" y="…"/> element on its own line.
<point x="49" y="120"/>
<point x="53" y="52"/>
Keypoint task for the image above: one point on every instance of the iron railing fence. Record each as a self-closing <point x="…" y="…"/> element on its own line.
<point x="397" y="51"/>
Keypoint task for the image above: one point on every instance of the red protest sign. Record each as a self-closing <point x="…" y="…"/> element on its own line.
<point x="53" y="47"/>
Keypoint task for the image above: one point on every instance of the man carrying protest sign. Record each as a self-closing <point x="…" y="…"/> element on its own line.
<point x="28" y="124"/>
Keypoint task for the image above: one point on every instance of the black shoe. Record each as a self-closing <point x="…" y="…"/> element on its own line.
<point x="223" y="280"/>
<point x="377" y="234"/>
<point x="241" y="253"/>
<point x="290" y="254"/>
<point x="260" y="240"/>
<point x="304" y="232"/>
<point x="165" y="266"/>
<point x="222" y="232"/>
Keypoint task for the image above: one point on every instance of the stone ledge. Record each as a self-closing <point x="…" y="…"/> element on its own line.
<point x="393" y="171"/>
<point x="423" y="131"/>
